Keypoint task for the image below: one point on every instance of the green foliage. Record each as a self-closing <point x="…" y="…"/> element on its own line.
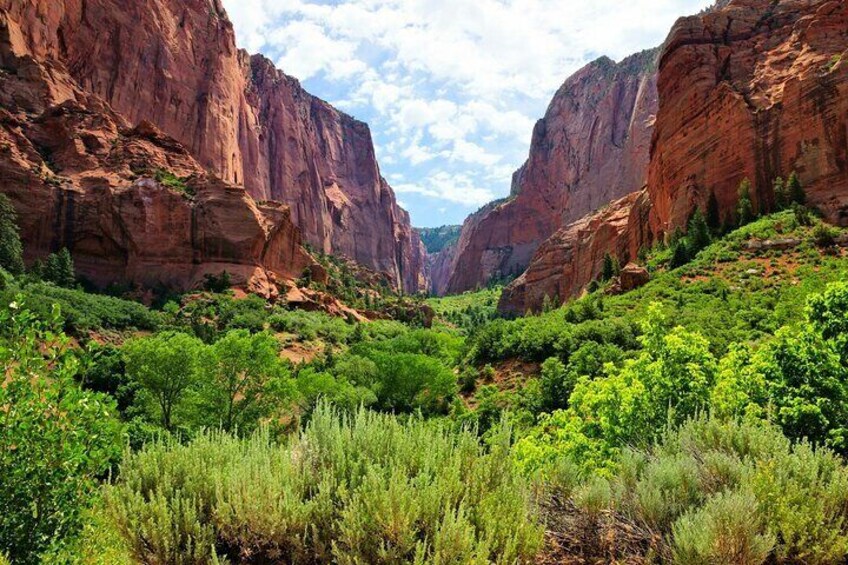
<point x="745" y="213"/>
<point x="468" y="311"/>
<point x="55" y="438"/>
<point x="679" y="254"/>
<point x="168" y="179"/>
<point x="365" y="488"/>
<point x="167" y="367"/>
<point x="797" y="195"/>
<point x="611" y="267"/>
<point x="82" y="311"/>
<point x="311" y="325"/>
<point x="718" y="491"/>
<point x="11" y="248"/>
<point x="782" y="197"/>
<point x="243" y="380"/>
<point x="217" y="283"/>
<point x="669" y="381"/>
<point x="59" y="269"/>
<point x="436" y="239"/>
<point x="698" y="236"/>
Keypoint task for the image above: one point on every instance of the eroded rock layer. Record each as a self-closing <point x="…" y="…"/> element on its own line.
<point x="756" y="89"/>
<point x="175" y="64"/>
<point x="750" y="89"/>
<point x="591" y="148"/>
<point x="80" y="178"/>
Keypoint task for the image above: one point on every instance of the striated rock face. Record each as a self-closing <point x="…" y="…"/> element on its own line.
<point x="750" y="88"/>
<point x="440" y="265"/>
<point x="175" y="64"/>
<point x="591" y="147"/>
<point x="573" y="257"/>
<point x="753" y="89"/>
<point x="79" y="178"/>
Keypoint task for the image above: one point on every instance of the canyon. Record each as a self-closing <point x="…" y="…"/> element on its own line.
<point x="138" y="135"/>
<point x="174" y="64"/>
<point x="591" y="147"/>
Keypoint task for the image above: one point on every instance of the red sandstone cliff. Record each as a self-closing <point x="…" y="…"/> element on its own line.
<point x="752" y="88"/>
<point x="81" y="178"/>
<point x="591" y="147"/>
<point x="755" y="89"/>
<point x="175" y="63"/>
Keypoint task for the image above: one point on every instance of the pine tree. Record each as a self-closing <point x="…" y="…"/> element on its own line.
<point x="796" y="191"/>
<point x="59" y="269"/>
<point x="744" y="208"/>
<point x="699" y="232"/>
<point x="11" y="248"/>
<point x="611" y="267"/>
<point x="781" y="195"/>
<point x="679" y="254"/>
<point x="713" y="214"/>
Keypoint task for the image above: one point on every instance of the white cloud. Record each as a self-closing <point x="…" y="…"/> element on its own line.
<point x="451" y="88"/>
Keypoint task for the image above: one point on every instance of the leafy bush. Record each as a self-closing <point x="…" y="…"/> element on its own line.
<point x="55" y="439"/>
<point x="11" y="248"/>
<point x="717" y="491"/>
<point x="83" y="311"/>
<point x="365" y="488"/>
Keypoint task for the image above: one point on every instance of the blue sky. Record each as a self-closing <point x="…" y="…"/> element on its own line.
<point x="450" y="88"/>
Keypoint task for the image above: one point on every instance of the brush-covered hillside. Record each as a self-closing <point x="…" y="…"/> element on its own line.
<point x="700" y="418"/>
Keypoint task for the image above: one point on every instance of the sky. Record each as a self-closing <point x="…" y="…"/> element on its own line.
<point x="450" y="88"/>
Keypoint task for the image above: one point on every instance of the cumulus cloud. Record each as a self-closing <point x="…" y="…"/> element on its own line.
<point x="451" y="88"/>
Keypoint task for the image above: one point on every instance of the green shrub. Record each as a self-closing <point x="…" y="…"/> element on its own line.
<point x="365" y="488"/>
<point x="55" y="439"/>
<point x="11" y="248"/>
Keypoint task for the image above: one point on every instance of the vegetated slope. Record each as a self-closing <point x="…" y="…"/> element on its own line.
<point x="436" y="239"/>
<point x="175" y="64"/>
<point x="591" y="147"/>
<point x="751" y="89"/>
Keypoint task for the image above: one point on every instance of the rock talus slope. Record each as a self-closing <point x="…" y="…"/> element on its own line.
<point x="591" y="148"/>
<point x="175" y="64"/>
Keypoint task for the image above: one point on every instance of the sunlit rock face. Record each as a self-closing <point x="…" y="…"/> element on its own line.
<point x="591" y="148"/>
<point x="175" y="64"/>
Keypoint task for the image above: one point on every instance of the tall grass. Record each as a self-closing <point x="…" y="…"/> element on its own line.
<point x="349" y="489"/>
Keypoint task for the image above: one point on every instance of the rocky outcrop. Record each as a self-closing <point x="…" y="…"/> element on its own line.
<point x="756" y="89"/>
<point x="573" y="257"/>
<point x="749" y="89"/>
<point x="175" y="64"/>
<point x="591" y="148"/>
<point x="81" y="179"/>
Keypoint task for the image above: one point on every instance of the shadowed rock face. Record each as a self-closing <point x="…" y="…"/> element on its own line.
<point x="751" y="88"/>
<point x="591" y="148"/>
<point x="175" y="64"/>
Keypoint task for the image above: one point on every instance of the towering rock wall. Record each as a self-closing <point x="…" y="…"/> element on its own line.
<point x="755" y="89"/>
<point x="749" y="89"/>
<point x="175" y="64"/>
<point x="591" y="148"/>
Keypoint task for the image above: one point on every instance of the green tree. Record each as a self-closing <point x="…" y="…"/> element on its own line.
<point x="744" y="207"/>
<point x="11" y="248"/>
<point x="796" y="190"/>
<point x="59" y="269"/>
<point x="679" y="254"/>
<point x="611" y="267"/>
<point x="781" y="194"/>
<point x="242" y="371"/>
<point x="713" y="213"/>
<point x="55" y="438"/>
<point x="699" y="232"/>
<point x="556" y="385"/>
<point x="167" y="367"/>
